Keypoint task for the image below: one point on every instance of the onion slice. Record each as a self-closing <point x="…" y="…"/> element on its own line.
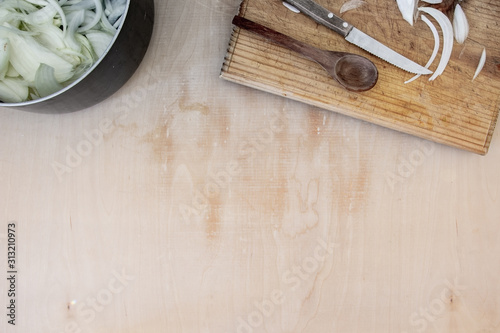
<point x="460" y="25"/>
<point x="292" y="8"/>
<point x="447" y="29"/>
<point x="350" y="5"/>
<point x="482" y="61"/>
<point x="432" y="2"/>
<point x="96" y="19"/>
<point x="27" y="55"/>
<point x="408" y="9"/>
<point x="5" y="50"/>
<point x="436" y="46"/>
<point x="13" y="90"/>
<point x="45" y="81"/>
<point x="99" y="40"/>
<point x="61" y="13"/>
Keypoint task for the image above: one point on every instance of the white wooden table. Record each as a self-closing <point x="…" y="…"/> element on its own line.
<point x="185" y="203"/>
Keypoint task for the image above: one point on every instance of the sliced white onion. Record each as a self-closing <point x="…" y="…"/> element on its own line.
<point x="460" y="25"/>
<point x="13" y="90"/>
<point x="45" y="81"/>
<point x="44" y="45"/>
<point x="408" y="9"/>
<point x="350" y="5"/>
<point x="97" y="17"/>
<point x="59" y="10"/>
<point x="43" y="15"/>
<point x="292" y="8"/>
<point x="27" y="55"/>
<point x="5" y="50"/>
<point x="447" y="29"/>
<point x="482" y="61"/>
<point x="11" y="72"/>
<point x="433" y="2"/>
<point x="99" y="40"/>
<point x="436" y="46"/>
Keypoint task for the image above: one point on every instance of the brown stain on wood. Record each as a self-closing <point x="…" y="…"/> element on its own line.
<point x="351" y="177"/>
<point x="291" y="197"/>
<point x="215" y="129"/>
<point x="161" y="143"/>
<point x="275" y="194"/>
<point x="213" y="219"/>
<point x="186" y="106"/>
<point x="211" y="136"/>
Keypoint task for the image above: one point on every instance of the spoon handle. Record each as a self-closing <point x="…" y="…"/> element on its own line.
<point x="302" y="48"/>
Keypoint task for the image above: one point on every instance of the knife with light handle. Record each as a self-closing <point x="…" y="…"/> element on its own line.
<point x="325" y="17"/>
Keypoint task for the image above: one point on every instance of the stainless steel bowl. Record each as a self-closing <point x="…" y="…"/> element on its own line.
<point x="110" y="72"/>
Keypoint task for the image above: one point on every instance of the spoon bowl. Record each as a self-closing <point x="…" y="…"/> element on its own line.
<point x="353" y="72"/>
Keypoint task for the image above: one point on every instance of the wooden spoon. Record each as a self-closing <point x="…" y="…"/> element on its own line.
<point x="352" y="71"/>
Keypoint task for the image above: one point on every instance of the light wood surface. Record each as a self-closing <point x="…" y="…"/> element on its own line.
<point x="208" y="206"/>
<point x="430" y="110"/>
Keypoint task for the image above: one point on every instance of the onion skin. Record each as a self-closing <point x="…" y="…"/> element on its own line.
<point x="447" y="5"/>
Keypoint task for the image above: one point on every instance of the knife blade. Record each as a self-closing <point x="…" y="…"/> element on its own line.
<point x="325" y="17"/>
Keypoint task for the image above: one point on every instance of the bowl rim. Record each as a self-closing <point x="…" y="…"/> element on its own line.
<point x="83" y="76"/>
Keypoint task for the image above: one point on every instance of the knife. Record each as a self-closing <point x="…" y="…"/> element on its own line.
<point x="325" y="17"/>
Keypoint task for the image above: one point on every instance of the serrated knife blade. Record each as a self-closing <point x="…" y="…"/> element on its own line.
<point x="325" y="17"/>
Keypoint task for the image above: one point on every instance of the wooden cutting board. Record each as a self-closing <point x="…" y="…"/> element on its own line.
<point x="453" y="109"/>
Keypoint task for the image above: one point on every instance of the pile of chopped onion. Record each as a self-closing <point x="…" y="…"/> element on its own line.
<point x="458" y="30"/>
<point x="47" y="44"/>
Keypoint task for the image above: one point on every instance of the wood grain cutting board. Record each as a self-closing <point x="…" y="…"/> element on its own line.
<point x="453" y="109"/>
